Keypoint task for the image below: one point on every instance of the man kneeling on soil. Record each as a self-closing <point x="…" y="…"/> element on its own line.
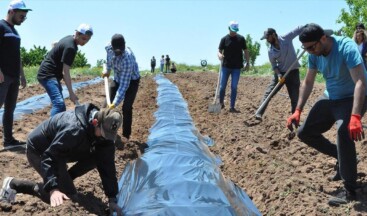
<point x="86" y="136"/>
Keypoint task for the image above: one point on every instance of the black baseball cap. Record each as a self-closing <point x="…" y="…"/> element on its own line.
<point x="118" y="42"/>
<point x="268" y="32"/>
<point x="360" y="25"/>
<point x="313" y="32"/>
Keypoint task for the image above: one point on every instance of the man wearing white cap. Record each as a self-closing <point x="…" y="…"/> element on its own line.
<point x="232" y="48"/>
<point x="56" y="66"/>
<point x="11" y="69"/>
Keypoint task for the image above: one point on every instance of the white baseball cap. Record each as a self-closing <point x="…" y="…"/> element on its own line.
<point x="85" y="29"/>
<point x="233" y="26"/>
<point x="18" y="5"/>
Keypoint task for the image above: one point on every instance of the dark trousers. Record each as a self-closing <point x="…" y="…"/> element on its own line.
<point x="8" y="95"/>
<point x="292" y="83"/>
<point x="64" y="176"/>
<point x="152" y="68"/>
<point x="323" y="115"/>
<point x="127" y="107"/>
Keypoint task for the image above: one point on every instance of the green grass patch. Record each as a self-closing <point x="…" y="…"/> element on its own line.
<point x="262" y="70"/>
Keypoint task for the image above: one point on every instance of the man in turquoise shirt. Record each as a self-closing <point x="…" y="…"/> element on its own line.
<point x="338" y="59"/>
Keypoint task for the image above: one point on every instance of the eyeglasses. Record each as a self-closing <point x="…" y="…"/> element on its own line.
<point x="22" y="17"/>
<point x="310" y="48"/>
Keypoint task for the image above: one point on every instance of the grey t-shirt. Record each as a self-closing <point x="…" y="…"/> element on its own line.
<point x="284" y="57"/>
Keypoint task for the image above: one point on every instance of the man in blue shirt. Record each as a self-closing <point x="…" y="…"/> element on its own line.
<point x="343" y="103"/>
<point x="126" y="80"/>
<point x="11" y="69"/>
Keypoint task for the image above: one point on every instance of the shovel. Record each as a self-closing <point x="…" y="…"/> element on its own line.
<point x="266" y="101"/>
<point x="216" y="106"/>
<point x="106" y="88"/>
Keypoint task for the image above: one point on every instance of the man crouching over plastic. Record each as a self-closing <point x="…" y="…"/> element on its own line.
<point x="86" y="136"/>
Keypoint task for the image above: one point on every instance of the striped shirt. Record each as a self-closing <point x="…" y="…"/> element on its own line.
<point x="125" y="69"/>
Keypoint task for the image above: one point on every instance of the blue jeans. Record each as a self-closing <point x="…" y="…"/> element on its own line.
<point x="54" y="90"/>
<point x="8" y="95"/>
<point x="235" y="76"/>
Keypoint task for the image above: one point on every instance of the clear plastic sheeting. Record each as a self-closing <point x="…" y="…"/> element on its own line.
<point x="38" y="102"/>
<point x="178" y="175"/>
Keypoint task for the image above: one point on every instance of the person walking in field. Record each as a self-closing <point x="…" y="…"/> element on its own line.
<point x="85" y="136"/>
<point x="282" y="56"/>
<point x="162" y="63"/>
<point x="168" y="63"/>
<point x="56" y="66"/>
<point x="126" y="80"/>
<point x="152" y="64"/>
<point x="11" y="69"/>
<point x="343" y="104"/>
<point x="232" y="50"/>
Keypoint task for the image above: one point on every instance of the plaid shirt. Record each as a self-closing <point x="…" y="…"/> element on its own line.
<point x="125" y="69"/>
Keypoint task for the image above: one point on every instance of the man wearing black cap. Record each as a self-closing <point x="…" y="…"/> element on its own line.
<point x="126" y="80"/>
<point x="86" y="136"/>
<point x="343" y="103"/>
<point x="11" y="69"/>
<point x="282" y="56"/>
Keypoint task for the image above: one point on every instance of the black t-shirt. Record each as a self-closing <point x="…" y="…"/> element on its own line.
<point x="63" y="52"/>
<point x="9" y="50"/>
<point x="233" y="50"/>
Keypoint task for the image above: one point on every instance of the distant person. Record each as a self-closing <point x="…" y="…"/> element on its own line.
<point x="126" y="80"/>
<point x="56" y="66"/>
<point x="360" y="26"/>
<point x="11" y="69"/>
<point x="85" y="136"/>
<point x="232" y="49"/>
<point x="360" y="37"/>
<point x="162" y="63"/>
<point x="342" y="105"/>
<point x="282" y="56"/>
<point x="168" y="61"/>
<point x="173" y="68"/>
<point x="152" y="64"/>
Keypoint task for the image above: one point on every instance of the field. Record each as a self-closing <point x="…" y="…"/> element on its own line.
<point x="282" y="176"/>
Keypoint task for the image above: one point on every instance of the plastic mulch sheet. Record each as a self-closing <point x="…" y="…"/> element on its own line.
<point x="178" y="175"/>
<point x="38" y="102"/>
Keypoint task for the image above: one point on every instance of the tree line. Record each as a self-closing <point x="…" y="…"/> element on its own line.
<point x="35" y="55"/>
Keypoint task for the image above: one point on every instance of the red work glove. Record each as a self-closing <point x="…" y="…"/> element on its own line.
<point x="355" y="128"/>
<point x="294" y="119"/>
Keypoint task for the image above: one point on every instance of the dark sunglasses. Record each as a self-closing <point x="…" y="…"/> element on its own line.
<point x="310" y="48"/>
<point x="89" y="33"/>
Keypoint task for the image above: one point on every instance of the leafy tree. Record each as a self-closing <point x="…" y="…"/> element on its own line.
<point x="34" y="57"/>
<point x="253" y="49"/>
<point x="80" y="60"/>
<point x="100" y="62"/>
<point x="357" y="13"/>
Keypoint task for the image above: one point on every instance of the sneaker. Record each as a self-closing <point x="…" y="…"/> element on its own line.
<point x="14" y="144"/>
<point x="233" y="110"/>
<point x="342" y="197"/>
<point x="6" y="193"/>
<point x="222" y="105"/>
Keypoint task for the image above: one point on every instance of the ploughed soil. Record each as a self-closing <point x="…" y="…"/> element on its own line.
<point x="282" y="176"/>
